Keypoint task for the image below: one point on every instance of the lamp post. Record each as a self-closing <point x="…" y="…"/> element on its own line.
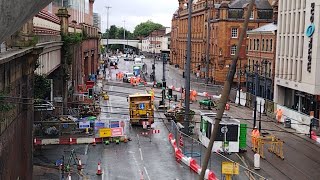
<point x="187" y="70"/>
<point x="108" y="7"/>
<point x="124" y="34"/>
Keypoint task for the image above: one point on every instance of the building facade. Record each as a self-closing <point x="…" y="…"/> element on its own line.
<point x="97" y="20"/>
<point x="261" y="61"/>
<point x="297" y="82"/>
<point x="216" y="27"/>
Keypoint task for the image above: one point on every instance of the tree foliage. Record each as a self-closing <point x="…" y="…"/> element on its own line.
<point x="145" y="28"/>
<point x="117" y="33"/>
<point x="42" y="87"/>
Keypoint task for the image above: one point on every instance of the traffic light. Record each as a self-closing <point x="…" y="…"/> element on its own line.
<point x="170" y="92"/>
<point x="164" y="84"/>
<point x="90" y="93"/>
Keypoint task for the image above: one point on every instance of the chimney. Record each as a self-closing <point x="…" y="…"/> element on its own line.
<point x="275" y="11"/>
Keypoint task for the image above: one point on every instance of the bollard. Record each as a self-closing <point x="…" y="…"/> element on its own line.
<point x="256" y="161"/>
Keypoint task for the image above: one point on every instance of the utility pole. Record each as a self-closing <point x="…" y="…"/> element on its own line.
<point x="187" y="70"/>
<point x="124" y="34"/>
<point x="226" y="92"/>
<point x="164" y="84"/>
<point x="108" y="7"/>
<point x="208" y="44"/>
<point x="239" y="82"/>
<point x="265" y="80"/>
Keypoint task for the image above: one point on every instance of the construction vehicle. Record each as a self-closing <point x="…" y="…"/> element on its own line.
<point x="141" y="109"/>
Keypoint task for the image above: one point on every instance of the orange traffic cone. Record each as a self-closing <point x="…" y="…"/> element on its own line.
<point x="79" y="165"/>
<point x="94" y="141"/>
<point x="141" y="176"/>
<point x="99" y="172"/>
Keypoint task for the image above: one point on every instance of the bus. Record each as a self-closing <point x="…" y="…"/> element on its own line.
<point x="228" y="136"/>
<point x="141" y="109"/>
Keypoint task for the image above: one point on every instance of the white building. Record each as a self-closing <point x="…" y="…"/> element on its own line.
<point x="145" y="45"/>
<point x="159" y="43"/>
<point x="297" y="76"/>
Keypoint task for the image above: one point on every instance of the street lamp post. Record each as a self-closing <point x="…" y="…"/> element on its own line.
<point x="108" y="7"/>
<point x="124" y="34"/>
<point x="187" y="70"/>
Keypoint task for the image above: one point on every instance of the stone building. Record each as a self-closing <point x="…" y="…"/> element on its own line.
<point x="224" y="19"/>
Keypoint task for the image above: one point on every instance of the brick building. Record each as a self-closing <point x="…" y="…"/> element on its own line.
<point x="225" y="19"/>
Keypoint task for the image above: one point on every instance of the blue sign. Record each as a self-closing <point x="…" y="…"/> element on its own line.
<point x="84" y="125"/>
<point x="98" y="125"/>
<point x="114" y="124"/>
<point x="141" y="106"/>
<point x="310" y="30"/>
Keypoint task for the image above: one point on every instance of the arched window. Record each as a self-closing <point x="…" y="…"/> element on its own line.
<point x="250" y="44"/>
<point x="267" y="44"/>
<point x="270" y="44"/>
<point x="249" y="64"/>
<point x="262" y="45"/>
<point x="258" y="43"/>
<point x="254" y="44"/>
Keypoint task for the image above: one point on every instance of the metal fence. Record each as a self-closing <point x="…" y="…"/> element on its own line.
<point x="191" y="147"/>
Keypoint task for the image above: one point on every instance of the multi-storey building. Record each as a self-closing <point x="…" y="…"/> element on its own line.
<point x="297" y="82"/>
<point x="216" y="25"/>
<point x="261" y="58"/>
<point x="97" y="20"/>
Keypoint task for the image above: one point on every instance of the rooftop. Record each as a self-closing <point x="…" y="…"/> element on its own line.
<point x="260" y="4"/>
<point x="265" y="28"/>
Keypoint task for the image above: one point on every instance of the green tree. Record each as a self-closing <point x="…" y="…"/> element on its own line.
<point x="145" y="28"/>
<point x="42" y="87"/>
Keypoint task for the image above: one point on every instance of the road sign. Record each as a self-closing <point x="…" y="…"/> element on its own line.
<point x="230" y="168"/>
<point x="224" y="129"/>
<point x="84" y="124"/>
<point x="114" y="124"/>
<point x="117" y="132"/>
<point x="105" y="132"/>
<point x="141" y="106"/>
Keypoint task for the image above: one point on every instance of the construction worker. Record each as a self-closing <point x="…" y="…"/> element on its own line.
<point x="255" y="134"/>
<point x="279" y="113"/>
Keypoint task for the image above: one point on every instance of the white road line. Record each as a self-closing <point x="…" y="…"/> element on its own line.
<point x="86" y="149"/>
<point x="141" y="154"/>
<point x="145" y="169"/>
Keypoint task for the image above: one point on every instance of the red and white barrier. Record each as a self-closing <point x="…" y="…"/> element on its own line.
<point x="189" y="161"/>
<point x="66" y="141"/>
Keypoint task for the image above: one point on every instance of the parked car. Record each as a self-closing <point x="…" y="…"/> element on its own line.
<point x="127" y="77"/>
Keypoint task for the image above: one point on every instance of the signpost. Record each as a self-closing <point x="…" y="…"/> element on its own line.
<point x="224" y="130"/>
<point x="229" y="169"/>
<point x="105" y="132"/>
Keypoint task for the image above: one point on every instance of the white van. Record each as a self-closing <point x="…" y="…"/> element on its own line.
<point x="137" y="60"/>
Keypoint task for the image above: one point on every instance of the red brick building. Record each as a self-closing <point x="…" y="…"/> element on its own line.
<point x="260" y="69"/>
<point x="225" y="19"/>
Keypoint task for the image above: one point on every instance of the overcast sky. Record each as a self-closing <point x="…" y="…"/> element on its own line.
<point x="135" y="11"/>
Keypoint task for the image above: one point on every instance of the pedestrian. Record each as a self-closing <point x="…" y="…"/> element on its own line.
<point x="279" y="115"/>
<point x="255" y="134"/>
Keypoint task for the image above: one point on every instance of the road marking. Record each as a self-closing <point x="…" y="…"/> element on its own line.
<point x="86" y="150"/>
<point x="145" y="169"/>
<point x="141" y="154"/>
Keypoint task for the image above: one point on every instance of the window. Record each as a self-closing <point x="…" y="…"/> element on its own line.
<point x="249" y="64"/>
<point x="258" y="44"/>
<point x="250" y="44"/>
<point x="234" y="32"/>
<point x="271" y="44"/>
<point x="267" y="44"/>
<point x="252" y="15"/>
<point x="254" y="44"/>
<point x="233" y="49"/>
<point x="262" y="44"/>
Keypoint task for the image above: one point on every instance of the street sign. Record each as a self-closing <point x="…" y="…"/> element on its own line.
<point x="84" y="124"/>
<point x="117" y="132"/>
<point x="230" y="168"/>
<point x="114" y="124"/>
<point x="224" y="129"/>
<point x="99" y="125"/>
<point x="105" y="132"/>
<point x="141" y="106"/>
